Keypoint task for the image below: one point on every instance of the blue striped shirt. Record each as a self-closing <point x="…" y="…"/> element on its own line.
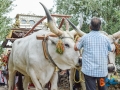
<point x="96" y="47"/>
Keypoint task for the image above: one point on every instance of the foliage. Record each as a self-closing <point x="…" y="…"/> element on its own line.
<point x="5" y="8"/>
<point x="108" y="10"/>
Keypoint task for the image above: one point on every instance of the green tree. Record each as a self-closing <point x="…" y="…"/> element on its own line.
<point x="108" y="10"/>
<point x="5" y="21"/>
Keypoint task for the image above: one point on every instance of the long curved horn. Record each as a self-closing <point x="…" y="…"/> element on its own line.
<point x="81" y="33"/>
<point x="116" y="35"/>
<point x="51" y="24"/>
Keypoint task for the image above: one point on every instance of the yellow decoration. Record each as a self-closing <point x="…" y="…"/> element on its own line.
<point x="114" y="76"/>
<point x="80" y="75"/>
<point x="60" y="47"/>
<point x="117" y="49"/>
<point x="9" y="34"/>
<point x="56" y="69"/>
<point x="76" y="36"/>
<point x="16" y="24"/>
<point x="102" y="82"/>
<point x="3" y="63"/>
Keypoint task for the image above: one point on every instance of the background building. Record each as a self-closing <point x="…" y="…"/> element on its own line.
<point x="23" y="23"/>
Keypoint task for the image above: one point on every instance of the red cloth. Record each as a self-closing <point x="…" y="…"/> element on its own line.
<point x="5" y="60"/>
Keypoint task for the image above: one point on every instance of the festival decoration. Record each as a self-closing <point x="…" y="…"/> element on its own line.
<point x="60" y="47"/>
<point x="117" y="50"/>
<point x="102" y="82"/>
<point x="76" y="36"/>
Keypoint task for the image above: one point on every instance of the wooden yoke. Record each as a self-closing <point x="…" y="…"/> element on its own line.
<point x="65" y="16"/>
<point x="41" y="37"/>
<point x="66" y="22"/>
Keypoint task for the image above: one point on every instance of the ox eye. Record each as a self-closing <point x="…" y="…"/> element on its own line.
<point x="67" y="45"/>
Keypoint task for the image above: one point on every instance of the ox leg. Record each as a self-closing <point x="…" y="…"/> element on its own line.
<point x="83" y="85"/>
<point x="11" y="81"/>
<point x="35" y="80"/>
<point x="71" y="76"/>
<point x="26" y="82"/>
<point x="109" y="75"/>
<point x="83" y="82"/>
<point x="54" y="81"/>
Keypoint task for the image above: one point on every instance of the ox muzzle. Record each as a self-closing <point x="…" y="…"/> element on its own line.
<point x="111" y="68"/>
<point x="79" y="62"/>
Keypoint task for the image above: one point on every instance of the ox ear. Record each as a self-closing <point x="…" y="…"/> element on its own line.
<point x="51" y="23"/>
<point x="116" y="35"/>
<point x="73" y="33"/>
<point x="53" y="40"/>
<point x="117" y="40"/>
<point x="81" y="33"/>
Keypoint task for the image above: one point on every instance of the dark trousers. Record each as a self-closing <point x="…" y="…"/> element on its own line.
<point x="92" y="85"/>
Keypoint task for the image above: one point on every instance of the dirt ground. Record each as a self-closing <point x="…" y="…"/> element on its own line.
<point x="110" y="88"/>
<point x="3" y="88"/>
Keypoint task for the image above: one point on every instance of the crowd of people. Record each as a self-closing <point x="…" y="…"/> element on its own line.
<point x="4" y="69"/>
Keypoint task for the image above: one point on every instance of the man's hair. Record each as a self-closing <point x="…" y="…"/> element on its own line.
<point x="95" y="24"/>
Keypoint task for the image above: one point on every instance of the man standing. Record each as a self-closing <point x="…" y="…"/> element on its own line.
<point x="96" y="47"/>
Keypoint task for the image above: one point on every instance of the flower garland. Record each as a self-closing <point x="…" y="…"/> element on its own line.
<point x="76" y="36"/>
<point x="117" y="50"/>
<point x="60" y="47"/>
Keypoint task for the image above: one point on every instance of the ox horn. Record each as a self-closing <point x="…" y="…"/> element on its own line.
<point x="116" y="35"/>
<point x="81" y="33"/>
<point x="51" y="23"/>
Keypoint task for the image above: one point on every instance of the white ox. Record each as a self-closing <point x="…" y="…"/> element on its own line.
<point x="111" y="57"/>
<point x="28" y="58"/>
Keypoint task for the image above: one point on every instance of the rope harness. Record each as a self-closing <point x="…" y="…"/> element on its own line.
<point x="80" y="75"/>
<point x="46" y="53"/>
<point x="59" y="49"/>
<point x="77" y="68"/>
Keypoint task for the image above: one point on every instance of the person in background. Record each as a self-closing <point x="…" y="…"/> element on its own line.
<point x="4" y="60"/>
<point x="96" y="47"/>
<point x="4" y="65"/>
<point x="1" y="75"/>
<point x="6" y="76"/>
